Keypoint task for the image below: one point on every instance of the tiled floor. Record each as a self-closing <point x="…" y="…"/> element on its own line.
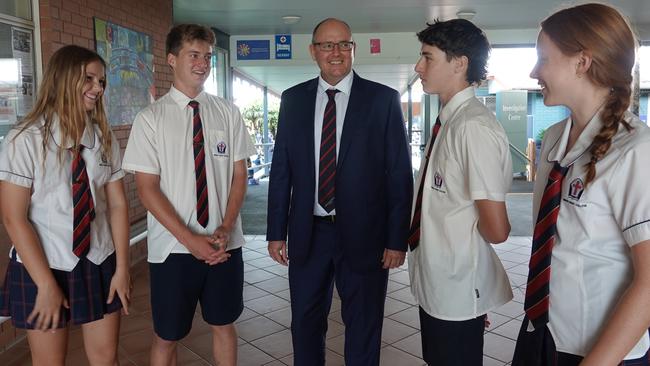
<point x="264" y="336"/>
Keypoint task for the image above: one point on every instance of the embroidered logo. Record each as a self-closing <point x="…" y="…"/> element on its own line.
<point x="437" y="180"/>
<point x="104" y="160"/>
<point x="576" y="188"/>
<point x="221" y="148"/>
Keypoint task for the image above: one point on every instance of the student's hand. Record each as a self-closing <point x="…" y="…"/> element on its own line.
<point x="121" y="284"/>
<point x="393" y="258"/>
<point x="222" y="236"/>
<point x="204" y="248"/>
<point x="278" y="251"/>
<point x="47" y="309"/>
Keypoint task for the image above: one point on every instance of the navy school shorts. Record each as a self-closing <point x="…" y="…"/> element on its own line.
<point x="86" y="287"/>
<point x="181" y="281"/>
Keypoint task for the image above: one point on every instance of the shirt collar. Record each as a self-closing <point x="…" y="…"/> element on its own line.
<point x="87" y="138"/>
<point x="182" y="100"/>
<point x="558" y="151"/>
<point x="455" y="102"/>
<point x="343" y="86"/>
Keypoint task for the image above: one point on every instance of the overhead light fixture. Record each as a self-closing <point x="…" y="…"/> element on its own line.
<point x="466" y="14"/>
<point x="291" y="19"/>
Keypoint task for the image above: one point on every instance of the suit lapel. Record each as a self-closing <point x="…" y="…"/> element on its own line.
<point x="353" y="121"/>
<point x="310" y="108"/>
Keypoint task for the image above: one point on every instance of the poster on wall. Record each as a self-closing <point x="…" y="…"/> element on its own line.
<point x="21" y="48"/>
<point x="129" y="73"/>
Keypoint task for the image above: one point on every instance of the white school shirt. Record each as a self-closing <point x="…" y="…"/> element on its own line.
<point x="455" y="274"/>
<point x="161" y="143"/>
<point x="341" y="99"/>
<point x="591" y="265"/>
<point x="51" y="207"/>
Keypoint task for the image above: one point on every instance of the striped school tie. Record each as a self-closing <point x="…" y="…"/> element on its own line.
<point x="327" y="162"/>
<point x="202" y="215"/>
<point x="536" y="303"/>
<point x="84" y="207"/>
<point x="414" y="232"/>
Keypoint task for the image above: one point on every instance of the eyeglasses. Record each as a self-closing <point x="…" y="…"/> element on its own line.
<point x="329" y="46"/>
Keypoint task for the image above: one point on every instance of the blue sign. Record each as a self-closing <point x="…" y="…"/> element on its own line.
<point x="282" y="46"/>
<point x="253" y="50"/>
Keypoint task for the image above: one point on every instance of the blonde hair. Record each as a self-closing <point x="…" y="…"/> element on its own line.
<point x="61" y="95"/>
<point x="605" y="33"/>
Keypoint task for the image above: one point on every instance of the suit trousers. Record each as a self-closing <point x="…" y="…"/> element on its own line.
<point x="362" y="302"/>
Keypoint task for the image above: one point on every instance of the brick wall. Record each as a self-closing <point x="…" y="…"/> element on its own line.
<point x="71" y="22"/>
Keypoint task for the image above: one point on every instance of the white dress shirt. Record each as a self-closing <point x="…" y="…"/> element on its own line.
<point x="591" y="265"/>
<point x="341" y="99"/>
<point x="51" y="207"/>
<point x="161" y="143"/>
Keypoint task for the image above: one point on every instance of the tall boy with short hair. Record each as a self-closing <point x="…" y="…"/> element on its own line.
<point x="188" y="151"/>
<point x="459" y="207"/>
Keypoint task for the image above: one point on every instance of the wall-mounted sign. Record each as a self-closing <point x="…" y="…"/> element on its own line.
<point x="253" y="49"/>
<point x="282" y="46"/>
<point x="375" y="45"/>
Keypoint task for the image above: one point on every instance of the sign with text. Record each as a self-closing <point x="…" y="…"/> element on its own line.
<point x="282" y="46"/>
<point x="253" y="49"/>
<point x="375" y="45"/>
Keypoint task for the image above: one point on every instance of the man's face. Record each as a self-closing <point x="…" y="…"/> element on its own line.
<point x="191" y="66"/>
<point x="334" y="64"/>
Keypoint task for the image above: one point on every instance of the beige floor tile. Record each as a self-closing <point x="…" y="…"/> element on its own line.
<point x="256" y="328"/>
<point x="249" y="255"/>
<point x="277" y="345"/>
<point x="511" y="309"/>
<point x="403" y="295"/>
<point x="401" y="277"/>
<point x="263" y="262"/>
<point x="282" y="316"/>
<point x="409" y="317"/>
<point x="509" y="329"/>
<point x="393" y="306"/>
<point x="266" y="304"/>
<point x="252" y="292"/>
<point x="393" y="331"/>
<point x="246" y="314"/>
<point x="391" y="356"/>
<point x="257" y="275"/>
<point x="274" y="285"/>
<point x="137" y="342"/>
<point x="411" y="345"/>
<point x="394" y="286"/>
<point x="498" y="347"/>
<point x="249" y="355"/>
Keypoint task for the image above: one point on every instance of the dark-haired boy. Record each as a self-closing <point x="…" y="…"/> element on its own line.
<point x="188" y="151"/>
<point x="459" y="207"/>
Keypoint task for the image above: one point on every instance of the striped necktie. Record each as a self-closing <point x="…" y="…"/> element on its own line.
<point x="414" y="232"/>
<point x="327" y="162"/>
<point x="202" y="215"/>
<point x="84" y="208"/>
<point x="536" y="303"/>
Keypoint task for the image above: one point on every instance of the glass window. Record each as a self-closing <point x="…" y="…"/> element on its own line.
<point x="17" y="8"/>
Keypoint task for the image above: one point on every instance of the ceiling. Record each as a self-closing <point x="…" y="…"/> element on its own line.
<point x="259" y="17"/>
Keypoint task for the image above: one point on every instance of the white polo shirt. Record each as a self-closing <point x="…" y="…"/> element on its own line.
<point x="591" y="265"/>
<point x="51" y="208"/>
<point x="455" y="274"/>
<point x="160" y="143"/>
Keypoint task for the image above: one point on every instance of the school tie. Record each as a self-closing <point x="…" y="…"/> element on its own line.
<point x="536" y="303"/>
<point x="327" y="162"/>
<point x="414" y="232"/>
<point x="202" y="215"/>
<point x="84" y="208"/>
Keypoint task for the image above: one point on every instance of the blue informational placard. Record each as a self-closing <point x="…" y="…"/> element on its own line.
<point x="283" y="46"/>
<point x="253" y="50"/>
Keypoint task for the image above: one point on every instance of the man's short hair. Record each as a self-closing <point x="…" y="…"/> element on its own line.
<point x="187" y="33"/>
<point x="457" y="38"/>
<point x="313" y="33"/>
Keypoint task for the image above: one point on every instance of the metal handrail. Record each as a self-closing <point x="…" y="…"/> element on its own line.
<point x="519" y="152"/>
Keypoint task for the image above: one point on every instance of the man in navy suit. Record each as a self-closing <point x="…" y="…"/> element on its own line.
<point x="341" y="190"/>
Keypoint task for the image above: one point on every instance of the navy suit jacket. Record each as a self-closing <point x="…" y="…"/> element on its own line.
<point x="374" y="184"/>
